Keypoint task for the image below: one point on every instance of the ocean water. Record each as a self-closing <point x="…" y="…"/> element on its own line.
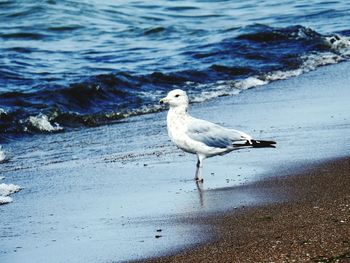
<point x="81" y="190"/>
<point x="76" y="64"/>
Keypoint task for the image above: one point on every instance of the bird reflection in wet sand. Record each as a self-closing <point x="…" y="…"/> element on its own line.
<point x="200" y="193"/>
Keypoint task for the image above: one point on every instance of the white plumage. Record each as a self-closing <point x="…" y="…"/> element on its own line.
<point x="200" y="137"/>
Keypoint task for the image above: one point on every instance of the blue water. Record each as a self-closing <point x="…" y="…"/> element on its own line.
<point x="68" y="64"/>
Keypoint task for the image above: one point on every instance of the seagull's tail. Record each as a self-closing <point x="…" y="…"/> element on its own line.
<point x="262" y="144"/>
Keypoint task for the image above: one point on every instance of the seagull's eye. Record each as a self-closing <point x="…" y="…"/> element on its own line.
<point x="177" y="95"/>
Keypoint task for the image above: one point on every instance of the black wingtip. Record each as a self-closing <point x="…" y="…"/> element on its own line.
<point x="261" y="144"/>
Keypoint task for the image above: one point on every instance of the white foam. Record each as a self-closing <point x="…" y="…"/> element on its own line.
<point x="225" y="88"/>
<point x="8" y="189"/>
<point x="5" y="200"/>
<point x="278" y="75"/>
<point x="314" y="61"/>
<point x="250" y="83"/>
<point x="338" y="43"/>
<point x="2" y="155"/>
<point x="311" y="62"/>
<point x="209" y="91"/>
<point x="42" y="123"/>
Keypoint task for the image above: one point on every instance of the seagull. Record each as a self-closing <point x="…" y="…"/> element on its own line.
<point x="200" y="137"/>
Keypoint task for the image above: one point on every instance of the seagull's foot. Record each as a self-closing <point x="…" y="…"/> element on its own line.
<point x="199" y="180"/>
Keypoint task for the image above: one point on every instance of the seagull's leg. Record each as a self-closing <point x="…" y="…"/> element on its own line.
<point x="199" y="177"/>
<point x="197" y="171"/>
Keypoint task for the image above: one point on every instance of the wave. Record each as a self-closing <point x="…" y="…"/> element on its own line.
<point x="257" y="55"/>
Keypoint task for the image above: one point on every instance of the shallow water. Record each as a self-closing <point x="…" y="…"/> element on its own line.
<point x="85" y="63"/>
<point x="101" y="194"/>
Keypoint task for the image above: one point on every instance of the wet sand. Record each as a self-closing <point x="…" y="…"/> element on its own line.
<point x="102" y="194"/>
<point x="312" y="226"/>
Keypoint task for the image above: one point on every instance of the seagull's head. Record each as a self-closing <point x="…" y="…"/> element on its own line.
<point x="175" y="98"/>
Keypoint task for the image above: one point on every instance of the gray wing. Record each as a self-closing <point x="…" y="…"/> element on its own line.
<point x="214" y="135"/>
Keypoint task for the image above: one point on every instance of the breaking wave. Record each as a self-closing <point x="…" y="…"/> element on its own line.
<point x="257" y="55"/>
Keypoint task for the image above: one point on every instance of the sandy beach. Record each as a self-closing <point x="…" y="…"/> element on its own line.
<point x="123" y="192"/>
<point x="312" y="226"/>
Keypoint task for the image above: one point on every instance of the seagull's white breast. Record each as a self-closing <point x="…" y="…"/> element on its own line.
<point x="177" y="126"/>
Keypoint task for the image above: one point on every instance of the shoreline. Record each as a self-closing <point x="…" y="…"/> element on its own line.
<point x="311" y="225"/>
<point x="101" y="194"/>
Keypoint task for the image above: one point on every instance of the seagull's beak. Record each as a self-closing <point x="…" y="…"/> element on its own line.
<point x="164" y="100"/>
